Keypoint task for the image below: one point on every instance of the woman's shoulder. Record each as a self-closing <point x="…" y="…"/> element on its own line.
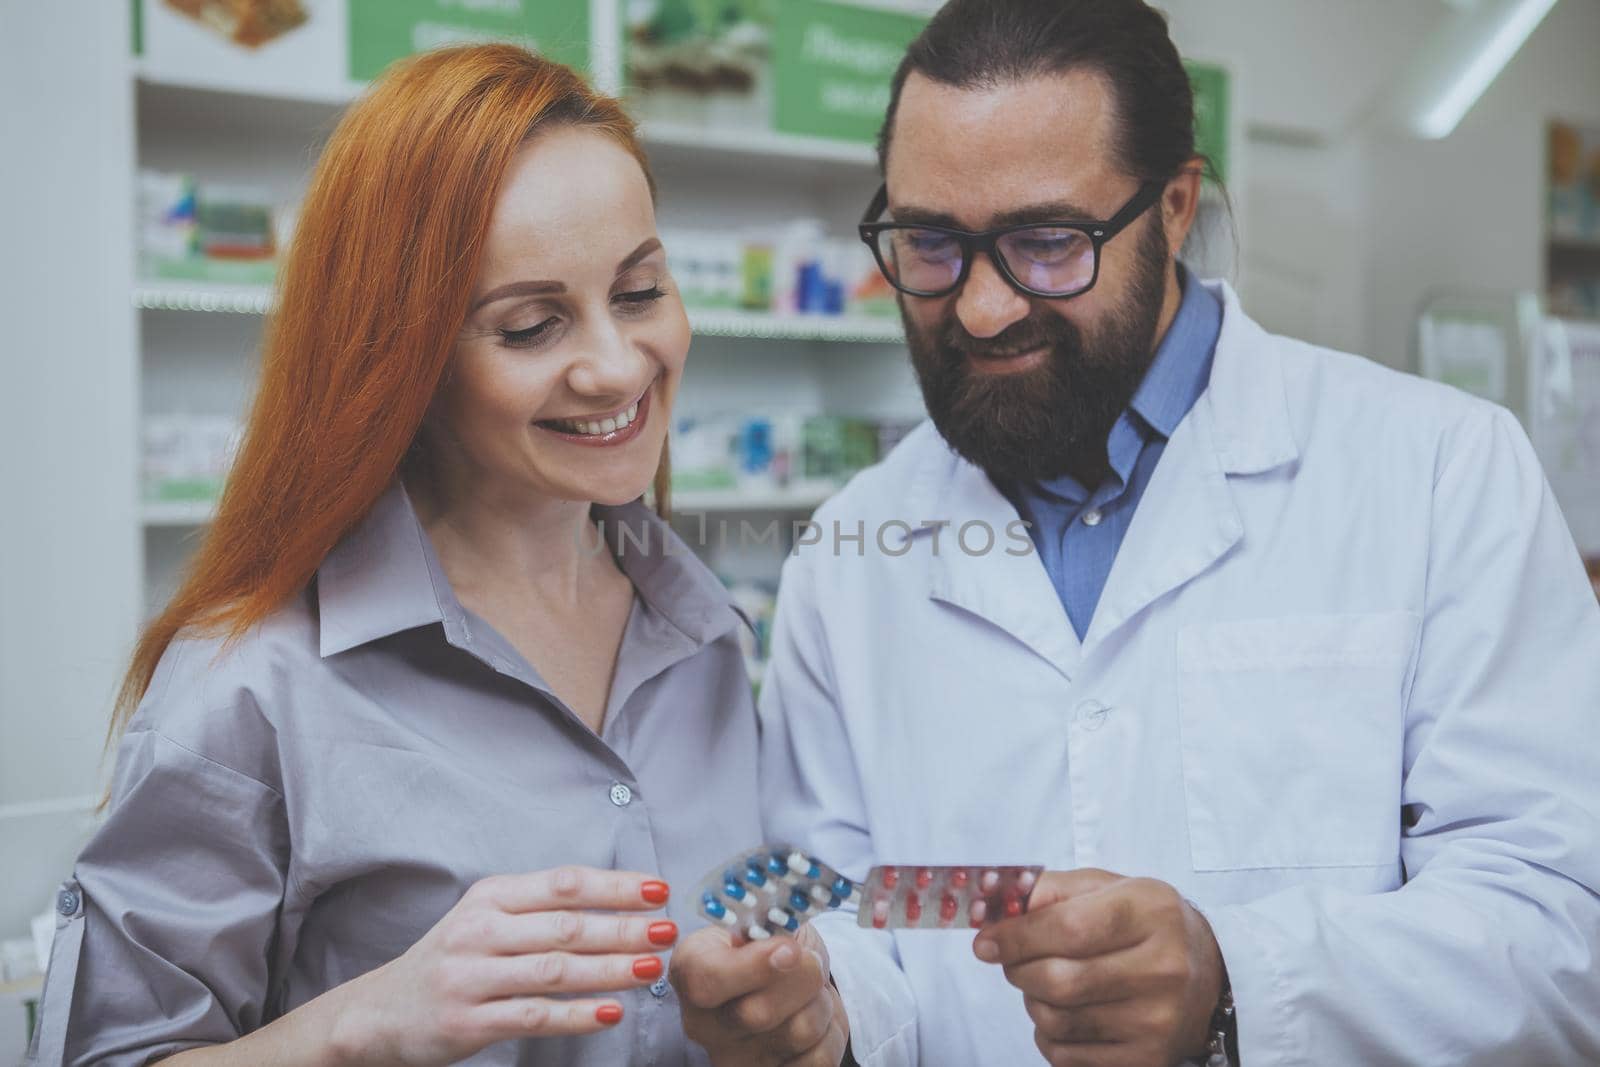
<point x="222" y="698"/>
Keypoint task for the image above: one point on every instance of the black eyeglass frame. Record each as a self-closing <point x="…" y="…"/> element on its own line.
<point x="987" y="241"/>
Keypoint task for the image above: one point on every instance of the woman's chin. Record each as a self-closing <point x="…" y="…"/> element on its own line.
<point x="610" y="492"/>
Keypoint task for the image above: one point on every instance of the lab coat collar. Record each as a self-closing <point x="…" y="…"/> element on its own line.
<point x="1186" y="522"/>
<point x="1246" y="397"/>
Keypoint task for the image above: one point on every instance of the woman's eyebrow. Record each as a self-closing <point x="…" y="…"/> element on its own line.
<point x="650" y="247"/>
<point x="520" y="289"/>
<point x="548" y="288"/>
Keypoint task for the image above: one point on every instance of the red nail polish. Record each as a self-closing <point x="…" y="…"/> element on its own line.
<point x="662" y="933"/>
<point x="655" y="892"/>
<point x="647" y="968"/>
<point x="610" y="1014"/>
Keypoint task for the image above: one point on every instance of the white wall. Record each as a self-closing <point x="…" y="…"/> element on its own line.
<point x="1468" y="212"/>
<point x="1349" y="224"/>
<point x="69" y="554"/>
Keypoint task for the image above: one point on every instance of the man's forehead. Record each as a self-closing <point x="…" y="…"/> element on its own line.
<point x="1071" y="108"/>
<point x="988" y="153"/>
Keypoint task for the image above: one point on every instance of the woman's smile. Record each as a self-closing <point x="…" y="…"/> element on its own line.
<point x="602" y="431"/>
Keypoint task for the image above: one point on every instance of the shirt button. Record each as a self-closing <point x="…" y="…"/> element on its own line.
<point x="659" y="987"/>
<point x="1093" y="517"/>
<point x="1092" y="714"/>
<point x="621" y="795"/>
<point x="67" y="903"/>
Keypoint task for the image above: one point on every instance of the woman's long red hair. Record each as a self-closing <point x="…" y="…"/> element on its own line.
<point x="372" y="294"/>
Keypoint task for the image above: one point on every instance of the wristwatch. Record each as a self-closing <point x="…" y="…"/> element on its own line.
<point x="1222" y="1047"/>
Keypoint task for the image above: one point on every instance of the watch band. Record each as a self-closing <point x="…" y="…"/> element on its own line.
<point x="1222" y="1048"/>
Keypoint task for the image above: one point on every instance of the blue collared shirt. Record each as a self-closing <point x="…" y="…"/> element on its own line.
<point x="1078" y="532"/>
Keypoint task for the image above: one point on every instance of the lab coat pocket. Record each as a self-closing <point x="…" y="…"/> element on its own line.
<point x="1293" y="739"/>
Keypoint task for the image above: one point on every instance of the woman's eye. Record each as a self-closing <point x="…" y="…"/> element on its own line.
<point x="529" y="337"/>
<point x="640" y="298"/>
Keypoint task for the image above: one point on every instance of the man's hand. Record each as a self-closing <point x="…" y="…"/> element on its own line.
<point x="1115" y="972"/>
<point x="762" y="1004"/>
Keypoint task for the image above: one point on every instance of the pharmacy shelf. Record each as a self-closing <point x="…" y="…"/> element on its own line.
<point x="201" y="296"/>
<point x="746" y="142"/>
<point x="756" y="326"/>
<point x="257" y="300"/>
<point x="159" y="513"/>
<point x="208" y="103"/>
<point x="797" y="499"/>
<point x="1589" y="245"/>
<point x="756" y="155"/>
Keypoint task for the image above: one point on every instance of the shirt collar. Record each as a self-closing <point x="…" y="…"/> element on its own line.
<point x="1182" y="365"/>
<point x="1177" y="377"/>
<point x="666" y="573"/>
<point x="384" y="577"/>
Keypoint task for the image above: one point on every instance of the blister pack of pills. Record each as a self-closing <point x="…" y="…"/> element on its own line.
<point x="771" y="890"/>
<point x="943" y="898"/>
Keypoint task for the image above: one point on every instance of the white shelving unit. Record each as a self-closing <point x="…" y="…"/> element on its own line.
<point x="800" y="498"/>
<point x="257" y="300"/>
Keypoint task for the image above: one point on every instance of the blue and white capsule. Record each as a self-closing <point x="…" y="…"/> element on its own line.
<point x="803" y="866"/>
<point x="717" y="911"/>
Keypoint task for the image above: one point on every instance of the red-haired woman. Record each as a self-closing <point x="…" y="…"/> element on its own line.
<point x="406" y="766"/>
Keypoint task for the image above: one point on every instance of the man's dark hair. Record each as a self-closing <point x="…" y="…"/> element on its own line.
<point x="975" y="44"/>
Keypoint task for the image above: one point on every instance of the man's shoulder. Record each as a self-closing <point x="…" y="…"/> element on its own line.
<point x="1363" y="402"/>
<point x="908" y="477"/>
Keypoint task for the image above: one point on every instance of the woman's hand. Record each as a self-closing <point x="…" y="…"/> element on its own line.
<point x="490" y="968"/>
<point x="764" y="1004"/>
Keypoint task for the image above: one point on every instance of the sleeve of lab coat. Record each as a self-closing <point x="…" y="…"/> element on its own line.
<point x="1490" y="952"/>
<point x="812" y="798"/>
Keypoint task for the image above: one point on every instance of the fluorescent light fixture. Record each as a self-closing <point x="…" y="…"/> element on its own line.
<point x="1506" y="28"/>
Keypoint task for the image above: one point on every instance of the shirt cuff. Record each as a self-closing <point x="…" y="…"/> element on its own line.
<point x="1263" y="995"/>
<point x="877" y="998"/>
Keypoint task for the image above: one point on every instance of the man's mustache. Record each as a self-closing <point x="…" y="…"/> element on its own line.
<point x="1019" y="338"/>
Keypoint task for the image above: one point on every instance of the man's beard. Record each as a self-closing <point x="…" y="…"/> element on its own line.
<point x="1053" y="419"/>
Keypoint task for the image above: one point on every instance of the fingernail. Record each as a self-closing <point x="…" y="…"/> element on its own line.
<point x="785" y="957"/>
<point x="647" y="968"/>
<point x="609" y="1014"/>
<point x="986" y="950"/>
<point x="662" y="933"/>
<point x="655" y="892"/>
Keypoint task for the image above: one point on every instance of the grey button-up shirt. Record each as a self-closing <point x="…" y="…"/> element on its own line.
<point x="300" y="807"/>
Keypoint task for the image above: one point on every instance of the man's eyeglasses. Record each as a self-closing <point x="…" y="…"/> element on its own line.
<point x="1043" y="259"/>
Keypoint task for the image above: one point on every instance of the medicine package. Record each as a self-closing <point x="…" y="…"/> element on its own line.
<point x="944" y="898"/>
<point x="776" y="888"/>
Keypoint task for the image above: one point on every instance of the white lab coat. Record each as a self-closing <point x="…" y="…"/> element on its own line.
<point x="1342" y="690"/>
